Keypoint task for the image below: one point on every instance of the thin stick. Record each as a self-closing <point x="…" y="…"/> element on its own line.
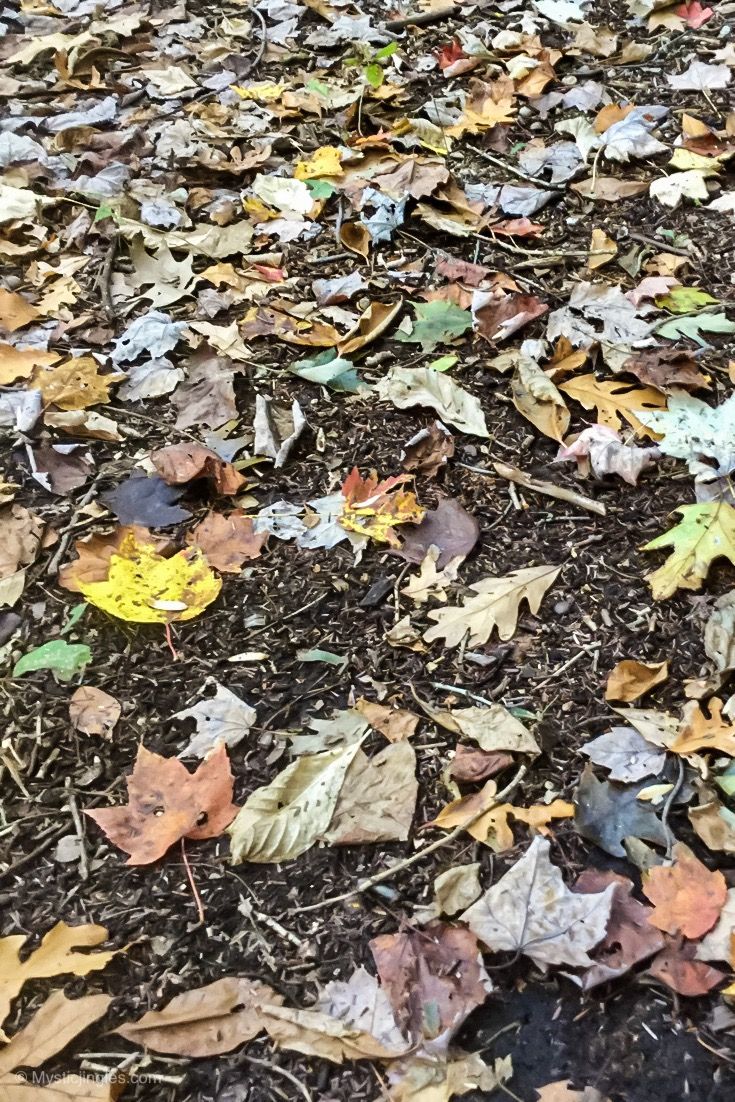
<point x="513" y="170"/>
<point x="192" y="883"/>
<point x="570" y="662"/>
<point x="79" y="828"/>
<point x="301" y="1087"/>
<point x="550" y="489"/>
<point x="282" y="619"/>
<point x="263" y="41"/>
<point x="667" y="810"/>
<point x="388" y="874"/>
<point x="421" y="19"/>
<point x="67" y="532"/>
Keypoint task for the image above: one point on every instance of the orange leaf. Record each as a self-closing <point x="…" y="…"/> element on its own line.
<point x="227" y="541"/>
<point x="687" y="897"/>
<point x="181" y="463"/>
<point x="631" y="679"/>
<point x="168" y="803"/>
<point x="374" y="508"/>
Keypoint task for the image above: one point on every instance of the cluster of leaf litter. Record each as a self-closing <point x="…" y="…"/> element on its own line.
<point x="203" y="194"/>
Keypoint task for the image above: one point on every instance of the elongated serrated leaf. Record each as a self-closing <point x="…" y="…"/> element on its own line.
<point x="286" y="817"/>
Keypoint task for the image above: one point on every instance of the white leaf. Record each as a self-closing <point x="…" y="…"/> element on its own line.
<point x="717" y="944"/>
<point x="223" y="717"/>
<point x="361" y="1003"/>
<point x="693" y="430"/>
<point x="530" y="910"/>
<point x="276" y="430"/>
<point x="154" y="334"/>
<point x="627" y="755"/>
<point x="420" y="386"/>
<point x="670" y="190"/>
<point x="291" y="197"/>
<point x="700" y="76"/>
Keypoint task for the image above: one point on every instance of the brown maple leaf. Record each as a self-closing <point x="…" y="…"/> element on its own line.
<point x="182" y="463"/>
<point x="687" y="897"/>
<point x="168" y="803"/>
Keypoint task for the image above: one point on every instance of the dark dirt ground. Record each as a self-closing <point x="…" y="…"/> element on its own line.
<point x="633" y="1040"/>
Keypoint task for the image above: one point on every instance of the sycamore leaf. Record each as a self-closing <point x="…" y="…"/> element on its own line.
<point x="496" y="604"/>
<point x="692" y="430"/>
<point x="436" y="323"/>
<point x="283" y="819"/>
<point x="168" y="803"/>
<point x="614" y="399"/>
<point x="530" y="910"/>
<point x="144" y="587"/>
<point x="420" y="386"/>
<point x="62" y="658"/>
<point x="374" y="508"/>
<point x="706" y="532"/>
<point x="56" y="956"/>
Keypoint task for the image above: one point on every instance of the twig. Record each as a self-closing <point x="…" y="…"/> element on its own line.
<point x="667" y="810"/>
<point x="657" y="243"/>
<point x="421" y="19"/>
<point x="263" y="41"/>
<point x="550" y="489"/>
<point x="570" y="662"/>
<point x="389" y="873"/>
<point x="515" y="171"/>
<point x="301" y="1087"/>
<point x="78" y="827"/>
<point x="106" y="278"/>
<point x="290" y="616"/>
<point x="67" y="532"/>
<point x="192" y="883"/>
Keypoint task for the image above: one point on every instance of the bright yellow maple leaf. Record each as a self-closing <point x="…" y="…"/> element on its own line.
<point x="325" y="162"/>
<point x="145" y="588"/>
<point x="374" y="508"/>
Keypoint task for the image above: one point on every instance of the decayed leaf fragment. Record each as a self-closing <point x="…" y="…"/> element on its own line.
<point x="93" y="711"/>
<point x="373" y="508"/>
<point x="496" y="604"/>
<point x="144" y="587"/>
<point x="631" y="679"/>
<point x="167" y="803"/>
<point x="56" y="956"/>
<point x="687" y="897"/>
<point x="705" y="533"/>
<point x="530" y="910"/>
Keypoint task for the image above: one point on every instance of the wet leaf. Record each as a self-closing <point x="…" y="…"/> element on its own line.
<point x="627" y="755"/>
<point x="168" y="803"/>
<point x="145" y="500"/>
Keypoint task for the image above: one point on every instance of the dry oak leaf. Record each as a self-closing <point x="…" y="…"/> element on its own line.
<point x="93" y="711"/>
<point x="168" y="803"/>
<point x="530" y="910"/>
<point x="283" y="819"/>
<point x="143" y="587"/>
<point x="493" y="828"/>
<point x="20" y="363"/>
<point x="434" y="978"/>
<point x="630" y="679"/>
<point x="54" y="1025"/>
<point x="705" y="533"/>
<point x="395" y="723"/>
<point x="15" y="311"/>
<point x="180" y="463"/>
<point x="615" y="400"/>
<point x="55" y="956"/>
<point x="687" y="897"/>
<point x="77" y="384"/>
<point x="373" y="508"/>
<point x="374" y="321"/>
<point x="95" y="552"/>
<point x="496" y="604"/>
<point x="701" y="732"/>
<point x="227" y="541"/>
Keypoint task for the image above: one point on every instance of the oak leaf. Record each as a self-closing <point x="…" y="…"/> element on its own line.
<point x="630" y="679"/>
<point x="168" y="803"/>
<point x="76" y="384"/>
<point x="496" y="604"/>
<point x="687" y="897"/>
<point x="706" y="532"/>
<point x="701" y="732"/>
<point x="615" y="400"/>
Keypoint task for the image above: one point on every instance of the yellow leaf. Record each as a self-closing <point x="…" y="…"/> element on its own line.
<point x="706" y="532"/>
<point x="19" y="363"/>
<point x="145" y="588"/>
<point x="262" y="91"/>
<point x="602" y="249"/>
<point x="76" y="384"/>
<point x="374" y="508"/>
<point x="614" y="400"/>
<point x="325" y="162"/>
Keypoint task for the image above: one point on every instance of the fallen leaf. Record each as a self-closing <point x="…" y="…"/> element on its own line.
<point x="56" y="955"/>
<point x="15" y="311"/>
<point x="701" y="732"/>
<point x="687" y="897"/>
<point x="436" y="323"/>
<point x="20" y="363"/>
<point x="496" y="603"/>
<point x="601" y="450"/>
<point x="497" y="316"/>
<point x="717" y="944"/>
<point x="421" y="386"/>
<point x="285" y="818"/>
<point x="705" y="533"/>
<point x="356" y="238"/>
<point x="60" y="468"/>
<point x="276" y="429"/>
<point x="676" y="967"/>
<point x="207" y="398"/>
<point x="146" y="501"/>
<point x="631" y="679"/>
<point x="627" y="755"/>
<point x="537" y="399"/>
<point x="395" y="723"/>
<point x="630" y="937"/>
<point x="560" y="1091"/>
<point x="54" y="1025"/>
<point x="227" y="541"/>
<point x="76" y="384"/>
<point x="714" y="823"/>
<point x="20" y="538"/>
<point x="222" y="718"/>
<point x="602" y="250"/>
<point x="430" y="583"/>
<point x="374" y="508"/>
<point x="65" y="660"/>
<point x="449" y="527"/>
<point x="609" y="189"/>
<point x="94" y="554"/>
<point x="168" y="803"/>
<point x="471" y="766"/>
<point x="457" y="888"/>
<point x="428" y="451"/>
<point x="608" y="813"/>
<point x="93" y="711"/>
<point x="182" y="463"/>
<point x="433" y="977"/>
<point x="552" y="925"/>
<point x="614" y="401"/>
<point x="378" y="798"/>
<point x="371" y="324"/>
<point x="144" y="587"/>
<point x="700" y="76"/>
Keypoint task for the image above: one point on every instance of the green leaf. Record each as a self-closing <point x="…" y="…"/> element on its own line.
<point x="319" y="87"/>
<point x="444" y="363"/>
<point x="320" y="189"/>
<point x="103" y="211"/>
<point x="386" y="51"/>
<point x="436" y="323"/>
<point x="74" y="617"/>
<point x="706" y="532"/>
<point x="726" y="780"/>
<point x="685" y="300"/>
<point x="693" y="326"/>
<point x="62" y="658"/>
<point x="316" y="655"/>
<point x="329" y="369"/>
<point x="374" y="75"/>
